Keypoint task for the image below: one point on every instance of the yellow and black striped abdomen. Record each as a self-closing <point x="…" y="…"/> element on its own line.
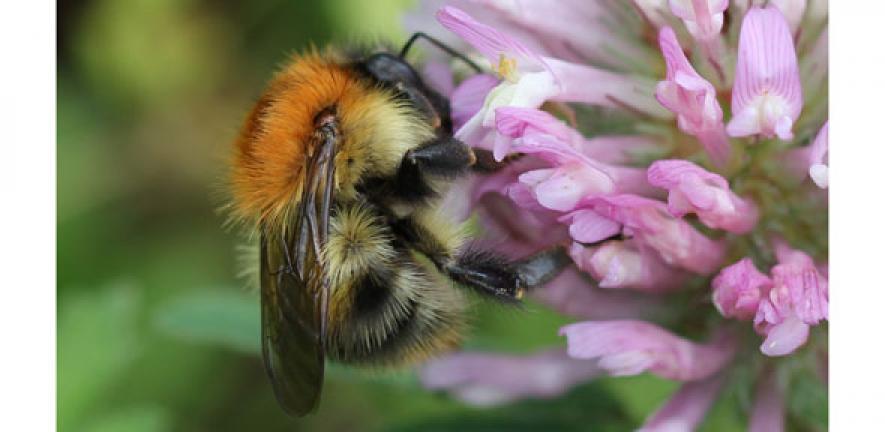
<point x="386" y="307"/>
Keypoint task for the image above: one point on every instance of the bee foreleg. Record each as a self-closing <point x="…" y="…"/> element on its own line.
<point x="441" y="158"/>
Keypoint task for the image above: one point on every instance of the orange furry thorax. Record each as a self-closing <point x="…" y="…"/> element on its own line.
<point x="269" y="153"/>
<point x="270" y="150"/>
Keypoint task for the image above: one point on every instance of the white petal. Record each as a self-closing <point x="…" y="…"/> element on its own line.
<point x="820" y="174"/>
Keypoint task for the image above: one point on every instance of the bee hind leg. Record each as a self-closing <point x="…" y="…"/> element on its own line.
<point x="484" y="271"/>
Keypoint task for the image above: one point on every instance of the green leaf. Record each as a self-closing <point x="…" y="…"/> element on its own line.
<point x="589" y="407"/>
<point x="808" y="400"/>
<point x="133" y="419"/>
<point x="641" y="394"/>
<point x="97" y="341"/>
<point x="725" y="415"/>
<point x="222" y="317"/>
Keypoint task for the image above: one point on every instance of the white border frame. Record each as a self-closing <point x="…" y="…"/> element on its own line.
<point x="27" y="218"/>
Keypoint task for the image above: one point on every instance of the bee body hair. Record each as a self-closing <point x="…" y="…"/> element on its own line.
<point x="386" y="309"/>
<point x="377" y="128"/>
<point x="372" y="225"/>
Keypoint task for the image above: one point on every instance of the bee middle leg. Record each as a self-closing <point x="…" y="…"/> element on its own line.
<point x="491" y="274"/>
<point x="486" y="272"/>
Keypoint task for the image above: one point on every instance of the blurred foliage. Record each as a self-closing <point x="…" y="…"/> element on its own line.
<point x="155" y="331"/>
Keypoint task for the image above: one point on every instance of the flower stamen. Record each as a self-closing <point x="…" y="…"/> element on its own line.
<point x="506" y="68"/>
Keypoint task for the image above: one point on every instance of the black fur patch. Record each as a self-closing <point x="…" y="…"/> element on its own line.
<point x="373" y="291"/>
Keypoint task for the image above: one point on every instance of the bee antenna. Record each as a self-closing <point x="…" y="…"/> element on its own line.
<point x="439" y="44"/>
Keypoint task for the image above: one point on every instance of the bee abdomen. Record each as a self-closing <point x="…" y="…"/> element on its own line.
<point x="386" y="307"/>
<point x="410" y="318"/>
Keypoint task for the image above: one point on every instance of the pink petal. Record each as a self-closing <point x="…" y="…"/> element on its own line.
<point x="656" y="11"/>
<point x="738" y="289"/>
<point x="690" y="9"/>
<point x="622" y="264"/>
<point x="586" y="175"/>
<point x="574" y="294"/>
<point x="423" y="19"/>
<point x="793" y="11"/>
<point x="523" y="195"/>
<point x="515" y="231"/>
<point x="474" y="134"/>
<point x="715" y="142"/>
<point x="467" y="99"/>
<point x="783" y="128"/>
<point x="537" y="132"/>
<point x="492" y="43"/>
<point x="619" y="149"/>
<point x="589" y="227"/>
<point x="674" y="57"/>
<point x="700" y="194"/>
<point x="768" y="408"/>
<point x="502" y="147"/>
<point x="694" y="189"/>
<point x="499" y="181"/>
<point x="807" y="290"/>
<point x="767" y="90"/>
<point x="806" y="286"/>
<point x="690" y="81"/>
<point x="630" y="180"/>
<point x="692" y="99"/>
<point x="785" y="337"/>
<point x="569" y="185"/>
<point x="490" y="379"/>
<point x="590" y="85"/>
<point x="818" y="158"/>
<point x="544" y="145"/>
<point x="531" y="80"/>
<point x="573" y="29"/>
<point x="824" y="269"/>
<point x="533" y="178"/>
<point x="631" y="347"/>
<point x="670" y="173"/>
<point x="677" y="242"/>
<point x="686" y="408"/>
<point x="820" y="174"/>
<point x="745" y="123"/>
<point x="703" y="18"/>
<point x="515" y="122"/>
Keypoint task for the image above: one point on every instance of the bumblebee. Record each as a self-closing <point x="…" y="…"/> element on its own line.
<point x="340" y="166"/>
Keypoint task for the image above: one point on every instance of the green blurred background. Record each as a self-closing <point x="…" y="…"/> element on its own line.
<point x="155" y="330"/>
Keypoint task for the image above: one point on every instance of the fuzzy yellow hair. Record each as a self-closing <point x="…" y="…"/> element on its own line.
<point x="269" y="153"/>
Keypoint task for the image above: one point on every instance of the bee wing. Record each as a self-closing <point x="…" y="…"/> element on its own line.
<point x="295" y="291"/>
<point x="291" y="343"/>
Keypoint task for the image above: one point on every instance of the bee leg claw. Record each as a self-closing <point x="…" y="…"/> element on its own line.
<point x="543" y="266"/>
